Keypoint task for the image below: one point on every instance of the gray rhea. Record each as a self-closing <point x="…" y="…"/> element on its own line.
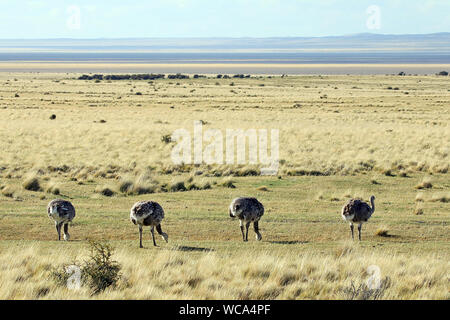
<point x="62" y="212"/>
<point x="148" y="213"/>
<point x="247" y="210"/>
<point x="357" y="212"/>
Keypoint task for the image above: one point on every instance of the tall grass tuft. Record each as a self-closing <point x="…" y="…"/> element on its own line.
<point x="105" y="191"/>
<point x="425" y="184"/>
<point x="32" y="183"/>
<point x="53" y="188"/>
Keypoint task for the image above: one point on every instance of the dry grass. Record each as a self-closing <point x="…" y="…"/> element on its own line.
<point x="53" y="187"/>
<point x="172" y="274"/>
<point x="425" y="184"/>
<point x="112" y="141"/>
<point x="32" y="183"/>
<point x="314" y="139"/>
<point x="8" y="191"/>
<point x="444" y="197"/>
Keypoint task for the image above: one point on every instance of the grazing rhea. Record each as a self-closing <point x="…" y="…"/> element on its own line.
<point x="357" y="211"/>
<point x="148" y="213"/>
<point x="247" y="210"/>
<point x="62" y="212"/>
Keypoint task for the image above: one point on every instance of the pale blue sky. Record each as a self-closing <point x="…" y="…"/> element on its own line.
<point x="217" y="18"/>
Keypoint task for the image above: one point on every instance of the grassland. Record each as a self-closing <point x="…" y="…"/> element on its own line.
<point x="340" y="137"/>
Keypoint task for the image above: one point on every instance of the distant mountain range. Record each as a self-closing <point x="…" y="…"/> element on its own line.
<point x="363" y="41"/>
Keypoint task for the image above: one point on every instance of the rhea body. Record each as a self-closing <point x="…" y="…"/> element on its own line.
<point x="247" y="210"/>
<point x="62" y="212"/>
<point x="358" y="212"/>
<point x="148" y="213"/>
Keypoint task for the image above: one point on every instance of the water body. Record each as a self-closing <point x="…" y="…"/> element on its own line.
<point x="388" y="57"/>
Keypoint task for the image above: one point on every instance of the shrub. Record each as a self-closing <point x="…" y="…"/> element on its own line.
<point x="177" y="186"/>
<point x="363" y="292"/>
<point x="53" y="188"/>
<point x="99" y="272"/>
<point x="8" y="191"/>
<point x="105" y="191"/>
<point x="425" y="184"/>
<point x="32" y="184"/>
<point x="382" y="232"/>
<point x="206" y="186"/>
<point x="125" y="186"/>
<point x="228" y="183"/>
<point x="167" y="138"/>
<point x="440" y="198"/>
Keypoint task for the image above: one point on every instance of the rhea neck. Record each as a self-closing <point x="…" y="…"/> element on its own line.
<point x="372" y="202"/>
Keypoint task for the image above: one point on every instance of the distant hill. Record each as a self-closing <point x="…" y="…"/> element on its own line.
<point x="422" y="42"/>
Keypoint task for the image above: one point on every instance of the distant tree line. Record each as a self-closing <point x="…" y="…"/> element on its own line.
<point x="152" y="76"/>
<point x="122" y="77"/>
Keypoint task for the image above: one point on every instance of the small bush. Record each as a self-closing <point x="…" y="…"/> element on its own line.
<point x="125" y="186"/>
<point x="363" y="292"/>
<point x="105" y="191"/>
<point x="382" y="232"/>
<point x="388" y="173"/>
<point x="166" y="138"/>
<point x="440" y="198"/>
<point x="206" y="186"/>
<point x="228" y="183"/>
<point x="177" y="186"/>
<point x="419" y="197"/>
<point x="99" y="272"/>
<point x="425" y="184"/>
<point x="54" y="190"/>
<point x="8" y="192"/>
<point x="32" y="184"/>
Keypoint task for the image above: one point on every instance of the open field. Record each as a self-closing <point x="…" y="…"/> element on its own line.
<point x="230" y="67"/>
<point x="340" y="137"/>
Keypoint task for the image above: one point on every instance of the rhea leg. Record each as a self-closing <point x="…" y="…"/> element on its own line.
<point x="140" y="236"/>
<point x="242" y="229"/>
<point x="351" y="229"/>
<point x="58" y="229"/>
<point x="161" y="233"/>
<point x="256" y="227"/>
<point x="152" y="230"/>
<point x="66" y="232"/>
<point x="247" y="225"/>
<point x="359" y="231"/>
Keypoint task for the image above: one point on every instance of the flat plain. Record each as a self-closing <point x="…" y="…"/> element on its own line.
<point x="341" y="136"/>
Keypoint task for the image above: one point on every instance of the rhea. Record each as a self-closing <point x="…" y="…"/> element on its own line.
<point x="248" y="210"/>
<point x="62" y="212"/>
<point x="148" y="213"/>
<point x="357" y="212"/>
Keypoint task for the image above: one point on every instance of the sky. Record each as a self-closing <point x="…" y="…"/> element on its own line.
<point x="43" y="19"/>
